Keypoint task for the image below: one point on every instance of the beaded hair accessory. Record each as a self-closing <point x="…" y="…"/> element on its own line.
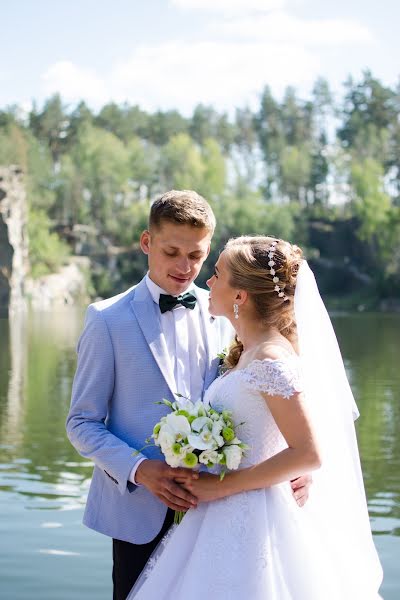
<point x="275" y="278"/>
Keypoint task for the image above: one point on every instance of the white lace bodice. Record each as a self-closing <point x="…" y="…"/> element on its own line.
<point x="240" y="391"/>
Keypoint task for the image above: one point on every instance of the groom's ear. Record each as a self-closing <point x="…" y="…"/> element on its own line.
<point x="145" y="242"/>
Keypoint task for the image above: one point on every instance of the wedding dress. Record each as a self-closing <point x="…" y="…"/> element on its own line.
<point x="259" y="545"/>
<point x="256" y="545"/>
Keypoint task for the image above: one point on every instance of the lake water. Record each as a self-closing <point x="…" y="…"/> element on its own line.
<point x="45" y="552"/>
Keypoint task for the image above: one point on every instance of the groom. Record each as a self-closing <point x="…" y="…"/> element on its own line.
<point x="145" y="344"/>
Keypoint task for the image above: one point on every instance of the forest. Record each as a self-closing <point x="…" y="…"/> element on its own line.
<point x="323" y="172"/>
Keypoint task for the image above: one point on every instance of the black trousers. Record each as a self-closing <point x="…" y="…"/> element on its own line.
<point x="129" y="560"/>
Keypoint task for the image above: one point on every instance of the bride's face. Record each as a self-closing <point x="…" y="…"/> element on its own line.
<point x="222" y="295"/>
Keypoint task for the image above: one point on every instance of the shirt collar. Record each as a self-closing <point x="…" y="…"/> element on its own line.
<point x="155" y="290"/>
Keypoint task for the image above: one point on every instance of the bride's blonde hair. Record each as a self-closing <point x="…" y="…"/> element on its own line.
<point x="247" y="259"/>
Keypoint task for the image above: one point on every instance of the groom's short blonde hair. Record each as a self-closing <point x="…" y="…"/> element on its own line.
<point x="184" y="207"/>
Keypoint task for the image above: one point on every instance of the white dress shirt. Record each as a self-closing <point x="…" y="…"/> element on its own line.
<point x="187" y="356"/>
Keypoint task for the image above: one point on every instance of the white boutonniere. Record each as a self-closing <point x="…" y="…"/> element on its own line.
<point x="222" y="367"/>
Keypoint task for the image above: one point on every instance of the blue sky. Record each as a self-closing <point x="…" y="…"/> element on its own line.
<point x="164" y="54"/>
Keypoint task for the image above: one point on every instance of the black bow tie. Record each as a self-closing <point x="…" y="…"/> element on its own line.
<point x="168" y="302"/>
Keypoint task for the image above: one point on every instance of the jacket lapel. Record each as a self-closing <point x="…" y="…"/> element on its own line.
<point x="148" y="318"/>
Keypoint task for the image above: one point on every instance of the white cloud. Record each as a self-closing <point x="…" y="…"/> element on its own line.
<point x="74" y="83"/>
<point x="229" y="6"/>
<point x="241" y="56"/>
<point x="282" y="27"/>
<point x="183" y="74"/>
<point x="230" y="74"/>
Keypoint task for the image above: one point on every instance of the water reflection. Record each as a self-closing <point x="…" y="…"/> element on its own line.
<point x="36" y="460"/>
<point x="371" y="345"/>
<point x="43" y="481"/>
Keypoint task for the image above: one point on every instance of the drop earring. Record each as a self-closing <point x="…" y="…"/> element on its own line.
<point x="236" y="310"/>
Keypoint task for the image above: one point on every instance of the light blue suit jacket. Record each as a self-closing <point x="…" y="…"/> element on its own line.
<point x="122" y="372"/>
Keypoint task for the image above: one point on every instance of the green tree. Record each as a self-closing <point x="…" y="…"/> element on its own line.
<point x="50" y="125"/>
<point x="111" y="118"/>
<point x="102" y="162"/>
<point x="296" y="117"/>
<point x="46" y="251"/>
<point x="182" y="165"/>
<point x="379" y="223"/>
<point x="214" y="176"/>
<point x="164" y="125"/>
<point x="70" y="207"/>
<point x="143" y="164"/>
<point x="369" y="114"/>
<point x="245" y="152"/>
<point x="14" y="145"/>
<point x="271" y="136"/>
<point x="322" y="117"/>
<point x="124" y="121"/>
<point x="295" y="168"/>
<point x="80" y="116"/>
<point x="203" y="123"/>
<point x="371" y="204"/>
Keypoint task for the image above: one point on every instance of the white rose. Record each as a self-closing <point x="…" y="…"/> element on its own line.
<point x="208" y="456"/>
<point x="219" y="441"/>
<point x="186" y="449"/>
<point x="165" y="438"/>
<point x="172" y="459"/>
<point x="233" y="455"/>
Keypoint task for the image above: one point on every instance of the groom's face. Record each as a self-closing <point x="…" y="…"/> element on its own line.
<point x="176" y="254"/>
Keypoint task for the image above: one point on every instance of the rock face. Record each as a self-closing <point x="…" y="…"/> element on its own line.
<point x="67" y="287"/>
<point x="13" y="239"/>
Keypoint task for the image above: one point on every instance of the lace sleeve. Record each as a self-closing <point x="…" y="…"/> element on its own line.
<point x="274" y="377"/>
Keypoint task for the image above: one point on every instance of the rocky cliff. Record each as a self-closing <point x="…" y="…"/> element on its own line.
<point x="13" y="239"/>
<point x="67" y="287"/>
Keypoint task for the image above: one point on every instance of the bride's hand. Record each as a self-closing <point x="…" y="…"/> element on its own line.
<point x="206" y="488"/>
<point x="301" y="488"/>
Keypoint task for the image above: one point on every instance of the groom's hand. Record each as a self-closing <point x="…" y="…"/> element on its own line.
<point x="301" y="489"/>
<point x="159" y="478"/>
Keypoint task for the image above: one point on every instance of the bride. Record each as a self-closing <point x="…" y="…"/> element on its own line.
<point x="286" y="384"/>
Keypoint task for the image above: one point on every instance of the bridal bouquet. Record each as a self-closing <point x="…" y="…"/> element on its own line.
<point x="193" y="434"/>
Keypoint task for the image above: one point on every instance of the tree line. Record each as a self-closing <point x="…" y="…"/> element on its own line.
<point x="322" y="172"/>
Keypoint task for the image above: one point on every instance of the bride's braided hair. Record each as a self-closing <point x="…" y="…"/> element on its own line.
<point x="247" y="259"/>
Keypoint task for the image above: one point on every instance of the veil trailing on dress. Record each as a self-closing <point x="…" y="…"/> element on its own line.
<point x="337" y="502"/>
